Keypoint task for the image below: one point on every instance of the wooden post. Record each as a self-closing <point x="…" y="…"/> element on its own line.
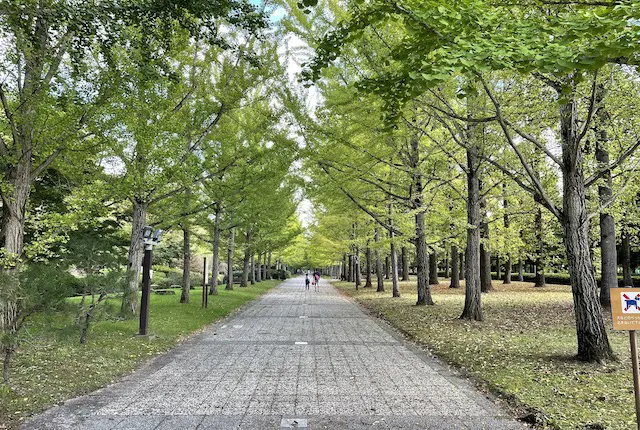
<point x="636" y="374"/>
<point x="205" y="296"/>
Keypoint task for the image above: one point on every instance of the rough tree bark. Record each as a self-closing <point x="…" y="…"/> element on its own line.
<point x="215" y="265"/>
<point x="350" y="271"/>
<point x="356" y="266"/>
<point x="593" y="342"/>
<point x="252" y="269"/>
<point x="186" y="264"/>
<point x="130" y="297"/>
<point x="472" y="301"/>
<point x="423" y="269"/>
<point x="455" y="272"/>
<point x="387" y="267"/>
<point x="433" y="269"/>
<point x="485" y="256"/>
<point x="394" y="270"/>
<point x="520" y="271"/>
<point x="446" y="264"/>
<point x="379" y="274"/>
<point x="608" y="252"/>
<point x="368" y="283"/>
<point x="230" y="249"/>
<point x="264" y="266"/>
<point x="246" y="261"/>
<point x="405" y="263"/>
<point x="344" y="275"/>
<point x="507" y="223"/>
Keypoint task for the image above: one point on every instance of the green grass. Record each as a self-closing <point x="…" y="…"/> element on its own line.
<point x="524" y="349"/>
<point x="52" y="366"/>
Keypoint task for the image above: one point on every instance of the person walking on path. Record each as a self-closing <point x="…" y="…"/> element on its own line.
<point x="306" y="281"/>
<point x="316" y="277"/>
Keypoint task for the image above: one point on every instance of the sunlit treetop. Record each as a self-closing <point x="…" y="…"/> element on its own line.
<point x="429" y="41"/>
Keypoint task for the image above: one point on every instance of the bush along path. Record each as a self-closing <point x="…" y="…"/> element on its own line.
<point x="524" y="350"/>
<point x="51" y="365"/>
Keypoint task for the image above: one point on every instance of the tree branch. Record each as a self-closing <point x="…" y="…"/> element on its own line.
<point x="593" y="178"/>
<point x="534" y="179"/>
<point x="374" y="216"/>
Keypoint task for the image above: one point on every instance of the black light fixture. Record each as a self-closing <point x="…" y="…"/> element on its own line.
<point x="157" y="235"/>
<point x="149" y="238"/>
<point x="147" y="231"/>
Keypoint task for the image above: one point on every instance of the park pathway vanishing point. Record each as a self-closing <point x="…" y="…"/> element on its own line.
<point x="291" y="359"/>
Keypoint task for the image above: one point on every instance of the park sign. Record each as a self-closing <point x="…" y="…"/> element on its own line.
<point x="625" y="303"/>
<point x="625" y="308"/>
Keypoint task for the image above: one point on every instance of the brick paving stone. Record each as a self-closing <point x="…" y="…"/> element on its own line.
<point x="349" y="370"/>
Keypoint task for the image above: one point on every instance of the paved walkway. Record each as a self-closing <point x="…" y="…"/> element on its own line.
<point x="292" y="358"/>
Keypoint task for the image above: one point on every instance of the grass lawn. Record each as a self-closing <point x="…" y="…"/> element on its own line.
<point x="524" y="349"/>
<point x="51" y="365"/>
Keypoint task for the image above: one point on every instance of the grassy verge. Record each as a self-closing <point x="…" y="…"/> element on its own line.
<point x="524" y="349"/>
<point x="52" y="366"/>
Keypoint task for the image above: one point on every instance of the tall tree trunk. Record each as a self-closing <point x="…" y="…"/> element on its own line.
<point x="608" y="252"/>
<point x="508" y="267"/>
<point x="507" y="225"/>
<point x="8" y="352"/>
<point x="387" y="267"/>
<point x="394" y="270"/>
<point x="186" y="265"/>
<point x="215" y="265"/>
<point x="485" y="270"/>
<point x="264" y="266"/>
<point x="230" y="249"/>
<point x="433" y="269"/>
<point x="625" y="259"/>
<point x="379" y="274"/>
<point x="350" y="272"/>
<point x="455" y="272"/>
<point x="593" y="342"/>
<point x="485" y="256"/>
<point x="269" y="277"/>
<point x="405" y="263"/>
<point x="540" y="280"/>
<point x="424" y="272"/>
<point x="520" y="270"/>
<point x="368" y="283"/>
<point x="258" y="271"/>
<point x="345" y="267"/>
<point x="446" y="264"/>
<point x="356" y="266"/>
<point x="252" y="269"/>
<point x="14" y="204"/>
<point x="472" y="301"/>
<point x="130" y="297"/>
<point x="246" y="261"/>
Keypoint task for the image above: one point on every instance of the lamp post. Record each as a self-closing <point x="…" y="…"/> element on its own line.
<point x="149" y="238"/>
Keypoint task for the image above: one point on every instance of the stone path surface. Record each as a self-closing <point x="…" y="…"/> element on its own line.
<point x="291" y="359"/>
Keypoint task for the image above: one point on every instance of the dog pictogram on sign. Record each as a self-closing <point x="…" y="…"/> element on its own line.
<point x="630" y="303"/>
<point x="625" y="308"/>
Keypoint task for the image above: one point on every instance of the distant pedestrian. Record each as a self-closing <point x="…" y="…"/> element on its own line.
<point x="306" y="281"/>
<point x="316" y="277"/>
